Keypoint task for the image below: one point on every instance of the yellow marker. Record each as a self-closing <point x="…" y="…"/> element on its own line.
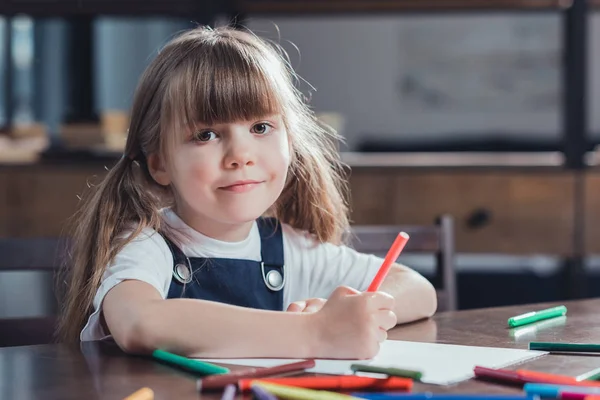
<point x="295" y="393"/>
<point x="142" y="394"/>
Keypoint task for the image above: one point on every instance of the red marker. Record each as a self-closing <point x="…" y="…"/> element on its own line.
<point x="343" y="382"/>
<point x="218" y="382"/>
<point x="390" y="258"/>
<point x="501" y="375"/>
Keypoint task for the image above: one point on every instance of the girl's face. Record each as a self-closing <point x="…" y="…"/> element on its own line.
<point x="226" y="175"/>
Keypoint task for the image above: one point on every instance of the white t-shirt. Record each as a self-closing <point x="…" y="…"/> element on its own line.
<point x="312" y="269"/>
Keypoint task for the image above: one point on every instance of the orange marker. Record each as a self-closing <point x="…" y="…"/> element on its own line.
<point x="344" y="382"/>
<point x="546" y="377"/>
<point x="142" y="394"/>
<point x="543" y="377"/>
<point x="390" y="258"/>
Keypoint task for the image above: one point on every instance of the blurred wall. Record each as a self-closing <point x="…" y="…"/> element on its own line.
<point x="424" y="77"/>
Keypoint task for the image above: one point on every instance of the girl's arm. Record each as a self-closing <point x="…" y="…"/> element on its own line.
<point x="415" y="296"/>
<point x="350" y="325"/>
<point x="321" y="267"/>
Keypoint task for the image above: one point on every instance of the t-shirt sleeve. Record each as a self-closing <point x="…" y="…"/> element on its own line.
<point x="146" y="258"/>
<point x="316" y="269"/>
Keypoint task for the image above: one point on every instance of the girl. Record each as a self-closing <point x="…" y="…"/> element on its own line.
<point x="226" y="209"/>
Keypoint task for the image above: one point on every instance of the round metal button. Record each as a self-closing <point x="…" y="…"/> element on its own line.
<point x="183" y="273"/>
<point x="274" y="279"/>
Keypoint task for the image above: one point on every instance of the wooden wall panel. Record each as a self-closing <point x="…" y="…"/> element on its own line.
<point x="592" y="212"/>
<point x="5" y="205"/>
<point x="495" y="212"/>
<point x="371" y="196"/>
<point x="44" y="199"/>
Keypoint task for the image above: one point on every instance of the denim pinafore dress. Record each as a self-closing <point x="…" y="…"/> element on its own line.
<point x="245" y="283"/>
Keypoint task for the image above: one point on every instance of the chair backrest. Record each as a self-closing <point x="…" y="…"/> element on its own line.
<point x="31" y="254"/>
<point x="437" y="239"/>
<point x="27" y="255"/>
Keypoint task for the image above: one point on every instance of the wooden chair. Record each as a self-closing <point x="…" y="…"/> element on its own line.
<point x="25" y="255"/>
<point x="437" y="239"/>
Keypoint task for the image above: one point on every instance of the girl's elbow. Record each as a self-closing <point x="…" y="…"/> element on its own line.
<point x="433" y="303"/>
<point x="137" y="337"/>
<point x="430" y="300"/>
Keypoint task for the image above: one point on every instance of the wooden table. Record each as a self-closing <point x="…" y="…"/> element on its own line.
<point x="97" y="370"/>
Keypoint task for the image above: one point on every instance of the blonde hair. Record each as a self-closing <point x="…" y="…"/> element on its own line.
<point x="213" y="76"/>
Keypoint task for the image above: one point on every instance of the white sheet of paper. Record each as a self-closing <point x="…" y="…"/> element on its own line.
<point x="441" y="364"/>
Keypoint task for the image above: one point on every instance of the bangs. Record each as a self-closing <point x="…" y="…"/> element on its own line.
<point x="223" y="82"/>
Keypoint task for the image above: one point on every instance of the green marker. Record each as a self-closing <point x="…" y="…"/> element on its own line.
<point x="189" y="364"/>
<point x="593" y="375"/>
<point x="405" y="373"/>
<point x="565" y="347"/>
<point x="535" y="316"/>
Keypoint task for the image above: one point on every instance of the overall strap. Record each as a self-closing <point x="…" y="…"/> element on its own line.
<point x="182" y="268"/>
<point x="271" y="241"/>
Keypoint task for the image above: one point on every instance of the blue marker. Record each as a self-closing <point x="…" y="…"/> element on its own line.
<point x="229" y="392"/>
<point x="440" y="396"/>
<point x="542" y="390"/>
<point x="554" y="391"/>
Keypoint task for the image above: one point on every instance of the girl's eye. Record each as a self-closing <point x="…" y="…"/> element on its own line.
<point x="262" y="128"/>
<point x="204" y="136"/>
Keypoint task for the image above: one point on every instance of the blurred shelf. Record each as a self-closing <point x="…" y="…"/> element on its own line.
<point x="48" y="8"/>
<point x="337" y="6"/>
<point x="194" y="8"/>
<point x="476" y="160"/>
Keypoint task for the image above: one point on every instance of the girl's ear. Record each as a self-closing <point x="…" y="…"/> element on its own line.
<point x="156" y="167"/>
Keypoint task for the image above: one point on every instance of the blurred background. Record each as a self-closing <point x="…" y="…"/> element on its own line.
<point x="480" y="111"/>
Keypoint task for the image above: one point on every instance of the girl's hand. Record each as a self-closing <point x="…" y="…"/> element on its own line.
<point x="352" y="324"/>
<point x="307" y="306"/>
